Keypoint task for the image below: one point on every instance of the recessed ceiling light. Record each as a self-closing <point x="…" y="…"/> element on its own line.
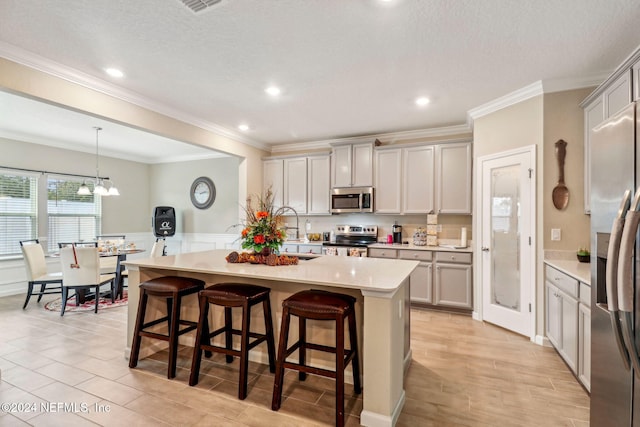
<point x="114" y="72"/>
<point x="243" y="127"/>
<point x="273" y="90"/>
<point x="422" y="101"/>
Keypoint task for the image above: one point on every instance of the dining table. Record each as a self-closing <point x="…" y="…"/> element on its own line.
<point x="121" y="255"/>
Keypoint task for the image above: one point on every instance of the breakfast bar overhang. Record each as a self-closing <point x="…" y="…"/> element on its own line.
<point x="381" y="287"/>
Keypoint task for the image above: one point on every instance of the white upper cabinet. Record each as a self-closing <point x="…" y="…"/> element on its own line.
<point x="422" y="179"/>
<point x="617" y="95"/>
<point x="621" y="88"/>
<point x="273" y="177"/>
<point x="362" y="165"/>
<point x="636" y="81"/>
<point x="295" y="184"/>
<point x="388" y="182"/>
<point x="352" y="165"/>
<point x="341" y="166"/>
<point x="593" y="116"/>
<point x="318" y="184"/>
<point x="302" y="183"/>
<point x="453" y="178"/>
<point x="418" y="179"/>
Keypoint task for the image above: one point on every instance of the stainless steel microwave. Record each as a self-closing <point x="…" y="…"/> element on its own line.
<point x="352" y="199"/>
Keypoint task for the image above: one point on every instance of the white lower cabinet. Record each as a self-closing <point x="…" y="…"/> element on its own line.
<point x="453" y="285"/>
<point x="584" y="345"/>
<point x="421" y="280"/>
<point x="561" y="319"/>
<point x="421" y="283"/>
<point x="442" y="279"/>
<point x="302" y="249"/>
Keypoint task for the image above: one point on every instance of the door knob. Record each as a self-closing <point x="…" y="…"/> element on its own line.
<point x="485" y="249"/>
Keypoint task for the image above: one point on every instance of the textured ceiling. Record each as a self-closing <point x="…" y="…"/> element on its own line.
<point x="345" y="67"/>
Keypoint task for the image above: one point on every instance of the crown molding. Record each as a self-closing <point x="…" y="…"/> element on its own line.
<point x="55" y="69"/>
<point x="391" y="137"/>
<point x="507" y="100"/>
<point x="535" y="89"/>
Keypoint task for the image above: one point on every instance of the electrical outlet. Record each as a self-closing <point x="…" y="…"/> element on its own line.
<point x="555" y="234"/>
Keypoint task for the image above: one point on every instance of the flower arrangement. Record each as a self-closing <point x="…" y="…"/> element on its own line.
<point x="262" y="227"/>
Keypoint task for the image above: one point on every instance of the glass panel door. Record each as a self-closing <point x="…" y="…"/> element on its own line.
<point x="505" y="237"/>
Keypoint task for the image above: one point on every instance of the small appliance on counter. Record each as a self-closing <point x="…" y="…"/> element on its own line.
<point x="396" y="230"/>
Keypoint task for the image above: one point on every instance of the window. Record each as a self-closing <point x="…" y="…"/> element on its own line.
<point x="18" y="211"/>
<point x="71" y="217"/>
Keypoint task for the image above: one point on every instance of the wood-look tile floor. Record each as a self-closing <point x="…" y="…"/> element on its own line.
<point x="463" y="373"/>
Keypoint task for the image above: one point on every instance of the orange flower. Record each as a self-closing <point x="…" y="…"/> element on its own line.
<point x="258" y="239"/>
<point x="245" y="232"/>
<point x="262" y="214"/>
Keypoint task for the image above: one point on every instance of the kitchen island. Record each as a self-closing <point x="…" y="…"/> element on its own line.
<point x="381" y="287"/>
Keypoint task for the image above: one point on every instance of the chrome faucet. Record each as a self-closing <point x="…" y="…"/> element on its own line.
<point x="297" y="227"/>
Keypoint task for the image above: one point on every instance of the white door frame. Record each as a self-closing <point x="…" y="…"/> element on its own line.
<point x="477" y="237"/>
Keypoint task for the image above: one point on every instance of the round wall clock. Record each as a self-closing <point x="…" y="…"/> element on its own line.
<point x="203" y="192"/>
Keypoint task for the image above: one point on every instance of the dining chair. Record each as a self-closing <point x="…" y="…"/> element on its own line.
<point x="81" y="271"/>
<point x="111" y="237"/>
<point x="82" y="244"/>
<point x="36" y="265"/>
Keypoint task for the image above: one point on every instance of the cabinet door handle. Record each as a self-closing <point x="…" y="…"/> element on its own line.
<point x="485" y="249"/>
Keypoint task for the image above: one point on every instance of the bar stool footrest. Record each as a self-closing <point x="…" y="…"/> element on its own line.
<point x="310" y="369"/>
<point x="190" y="326"/>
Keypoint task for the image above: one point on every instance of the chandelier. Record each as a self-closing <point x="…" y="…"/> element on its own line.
<point x="99" y="185"/>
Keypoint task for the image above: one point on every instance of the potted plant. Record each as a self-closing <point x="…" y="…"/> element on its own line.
<point x="584" y="255"/>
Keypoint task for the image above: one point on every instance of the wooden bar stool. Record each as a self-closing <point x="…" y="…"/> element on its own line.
<point x="229" y="295"/>
<point x="172" y="288"/>
<point x="319" y="305"/>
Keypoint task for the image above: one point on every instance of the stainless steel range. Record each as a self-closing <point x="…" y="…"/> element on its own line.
<point x="351" y="240"/>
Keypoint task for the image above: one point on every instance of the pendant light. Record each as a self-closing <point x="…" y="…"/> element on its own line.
<point x="99" y="183"/>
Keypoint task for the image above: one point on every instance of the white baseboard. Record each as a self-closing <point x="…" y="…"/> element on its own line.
<point x="543" y="341"/>
<point x="373" y="419"/>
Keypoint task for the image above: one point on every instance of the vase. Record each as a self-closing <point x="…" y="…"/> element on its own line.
<point x="266" y="251"/>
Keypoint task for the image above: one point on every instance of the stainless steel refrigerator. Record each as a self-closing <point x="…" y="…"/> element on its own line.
<point x="615" y="273"/>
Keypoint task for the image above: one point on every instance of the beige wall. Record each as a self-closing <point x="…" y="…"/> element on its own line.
<point x="541" y="121"/>
<point x="35" y="84"/>
<point x="170" y="185"/>
<point x="563" y="119"/>
<point x="142" y="186"/>
<point x="128" y="212"/>
<point x="514" y="127"/>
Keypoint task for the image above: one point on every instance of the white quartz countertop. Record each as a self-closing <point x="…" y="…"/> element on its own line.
<point x="411" y="246"/>
<point x="578" y="270"/>
<point x="303" y="242"/>
<point x="366" y="274"/>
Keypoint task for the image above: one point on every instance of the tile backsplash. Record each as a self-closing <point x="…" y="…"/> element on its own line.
<point x="450" y="226"/>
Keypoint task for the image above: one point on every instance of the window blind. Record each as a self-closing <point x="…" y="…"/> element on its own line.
<point x="71" y="217"/>
<point x="18" y="210"/>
